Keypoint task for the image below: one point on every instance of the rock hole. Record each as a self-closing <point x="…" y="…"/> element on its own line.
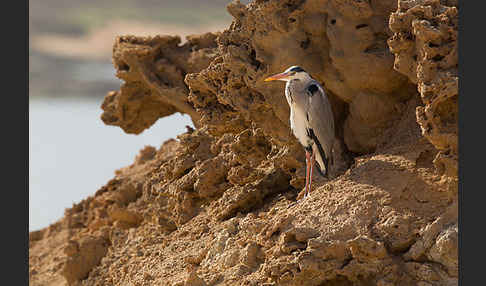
<point x="293" y="5"/>
<point x="360" y="26"/>
<point x="414" y="57"/>
<point x="305" y="44"/>
<point x="122" y="66"/>
<point x="333" y="21"/>
<point x="437" y="58"/>
<point x="432" y="45"/>
<point x="292" y="20"/>
<point x="186" y="171"/>
<point x="255" y="62"/>
<point x="346" y="262"/>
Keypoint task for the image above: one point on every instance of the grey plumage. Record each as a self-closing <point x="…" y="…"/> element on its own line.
<point x="311" y="114"/>
<point x="311" y="117"/>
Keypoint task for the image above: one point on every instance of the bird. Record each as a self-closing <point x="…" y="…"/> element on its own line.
<point x="311" y="119"/>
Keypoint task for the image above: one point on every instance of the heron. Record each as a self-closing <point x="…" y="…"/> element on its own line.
<point x="311" y="120"/>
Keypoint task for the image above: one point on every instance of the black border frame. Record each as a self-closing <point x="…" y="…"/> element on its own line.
<point x="471" y="127"/>
<point x="15" y="128"/>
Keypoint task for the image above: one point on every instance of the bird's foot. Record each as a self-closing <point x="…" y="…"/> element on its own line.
<point x="305" y="196"/>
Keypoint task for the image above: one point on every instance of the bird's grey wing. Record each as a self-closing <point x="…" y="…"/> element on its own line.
<point x="321" y="120"/>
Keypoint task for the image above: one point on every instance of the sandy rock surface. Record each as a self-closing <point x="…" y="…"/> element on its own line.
<point x="425" y="48"/>
<point x="219" y="205"/>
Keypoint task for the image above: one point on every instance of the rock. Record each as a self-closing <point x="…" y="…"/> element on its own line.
<point x="83" y="255"/>
<point x="363" y="248"/>
<point x="425" y="47"/>
<point x="445" y="250"/>
<point x="125" y="217"/>
<point x="154" y="69"/>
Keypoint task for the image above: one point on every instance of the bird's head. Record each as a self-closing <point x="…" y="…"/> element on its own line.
<point x="292" y="73"/>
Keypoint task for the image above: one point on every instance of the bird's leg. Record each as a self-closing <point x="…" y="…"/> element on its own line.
<point x="307" y="171"/>
<point x="312" y="162"/>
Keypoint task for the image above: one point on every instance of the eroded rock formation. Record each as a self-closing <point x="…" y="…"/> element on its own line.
<point x="153" y="69"/>
<point x="425" y="48"/>
<point x="218" y="206"/>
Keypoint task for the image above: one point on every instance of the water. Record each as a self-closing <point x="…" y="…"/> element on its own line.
<point x="72" y="153"/>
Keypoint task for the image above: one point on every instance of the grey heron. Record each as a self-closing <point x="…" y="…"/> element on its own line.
<point x="311" y="119"/>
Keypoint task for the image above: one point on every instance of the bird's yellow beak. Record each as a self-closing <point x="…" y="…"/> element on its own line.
<point x="277" y="76"/>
